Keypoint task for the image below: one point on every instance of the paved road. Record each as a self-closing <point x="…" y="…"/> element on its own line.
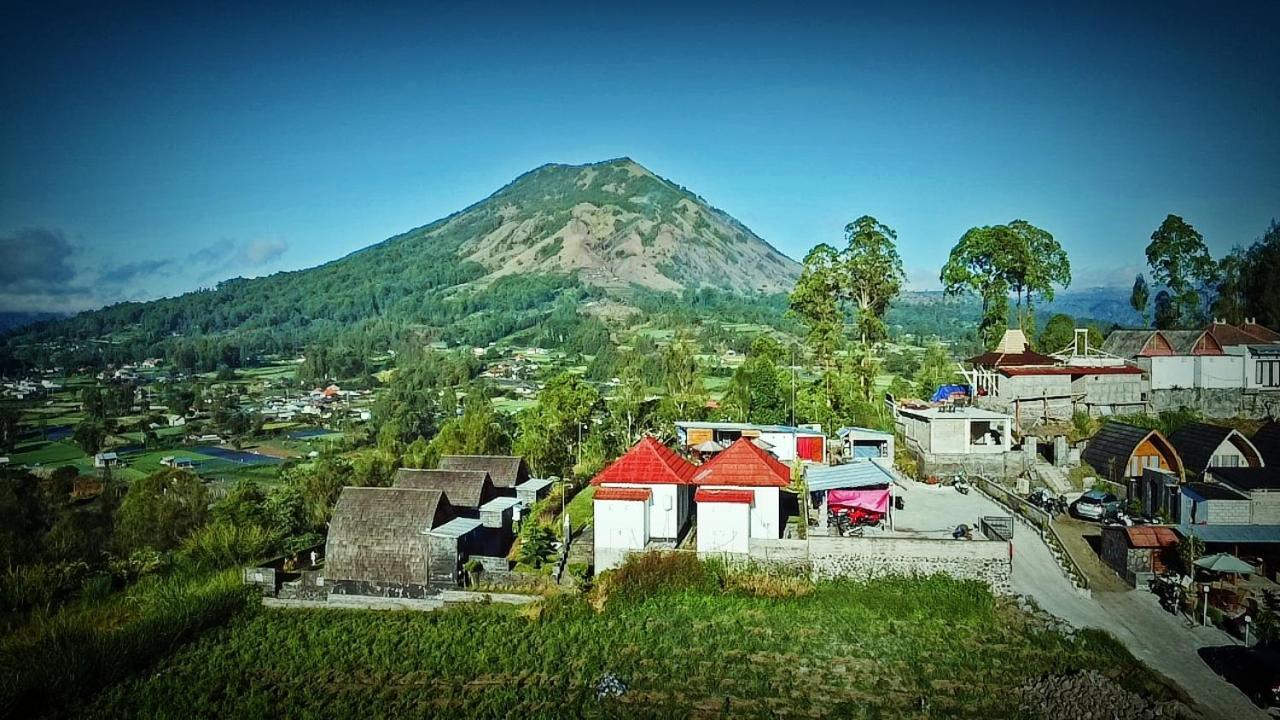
<point x="1161" y="640"/>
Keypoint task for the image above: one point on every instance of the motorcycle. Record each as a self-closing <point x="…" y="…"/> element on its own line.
<point x="1054" y="505"/>
<point x="961" y="485"/>
<point x="850" y="522"/>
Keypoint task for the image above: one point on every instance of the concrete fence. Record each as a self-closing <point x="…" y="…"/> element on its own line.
<point x="987" y="561"/>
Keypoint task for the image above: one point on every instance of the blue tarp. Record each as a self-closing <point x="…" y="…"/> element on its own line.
<point x="947" y="391"/>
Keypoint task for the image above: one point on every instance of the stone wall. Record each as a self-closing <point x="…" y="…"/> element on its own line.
<point x="1219" y="402"/>
<point x="982" y="560"/>
<point x="1007" y="465"/>
<point x="867" y="558"/>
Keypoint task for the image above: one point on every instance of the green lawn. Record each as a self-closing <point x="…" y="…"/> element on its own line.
<point x="45" y="453"/>
<point x="880" y="650"/>
<point x="579" y="509"/>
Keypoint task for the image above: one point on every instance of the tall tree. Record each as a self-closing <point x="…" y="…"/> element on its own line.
<point x="1139" y="297"/>
<point x="1229" y="302"/>
<point x="1180" y="261"/>
<point x="160" y="510"/>
<point x="1167" y="312"/>
<point x="872" y="275"/>
<point x="550" y="433"/>
<point x="993" y="260"/>
<point x="815" y="300"/>
<point x="1262" y="278"/>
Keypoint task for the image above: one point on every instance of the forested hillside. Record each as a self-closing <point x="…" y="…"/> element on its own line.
<point x="560" y="233"/>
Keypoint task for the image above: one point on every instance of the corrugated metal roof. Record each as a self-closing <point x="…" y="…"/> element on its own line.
<point x="1232" y="533"/>
<point x="849" y="476"/>
<point x="705" y="495"/>
<point x="745" y="426"/>
<point x="499" y="503"/>
<point x="1073" y="370"/>
<point x="622" y="493"/>
<point x="1149" y="536"/>
<point x="863" y="431"/>
<point x="455" y="528"/>
<point x="534" y="484"/>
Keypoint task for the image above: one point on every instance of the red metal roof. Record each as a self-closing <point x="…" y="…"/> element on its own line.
<point x="724" y="496"/>
<point x="648" y="462"/>
<point x="1001" y="360"/>
<point x="1262" y="332"/>
<point x="1074" y="370"/>
<point x="1228" y="335"/>
<point x="743" y="464"/>
<point x="1151" y="537"/>
<point x="622" y="493"/>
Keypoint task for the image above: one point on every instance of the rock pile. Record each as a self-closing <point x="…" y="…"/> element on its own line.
<point x="1088" y="696"/>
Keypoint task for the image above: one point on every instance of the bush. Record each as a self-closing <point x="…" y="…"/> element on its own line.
<point x="222" y="545"/>
<point x="28" y="586"/>
<point x="535" y="544"/>
<point x="647" y="574"/>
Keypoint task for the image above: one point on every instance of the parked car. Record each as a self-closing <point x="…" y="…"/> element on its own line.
<point x="1096" y="505"/>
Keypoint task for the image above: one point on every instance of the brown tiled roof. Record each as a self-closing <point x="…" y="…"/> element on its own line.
<point x="463" y="488"/>
<point x="1262" y="332"/>
<point x="376" y="534"/>
<point x="999" y="359"/>
<point x="506" y="471"/>
<point x="1227" y="335"/>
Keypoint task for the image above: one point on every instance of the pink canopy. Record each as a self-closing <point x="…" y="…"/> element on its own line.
<point x="877" y="500"/>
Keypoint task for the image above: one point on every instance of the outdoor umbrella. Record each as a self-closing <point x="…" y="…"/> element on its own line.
<point x="708" y="446"/>
<point x="1225" y="563"/>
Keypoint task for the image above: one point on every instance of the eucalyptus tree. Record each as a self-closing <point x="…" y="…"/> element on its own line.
<point x="1180" y="261"/>
<point x="1139" y="297"/>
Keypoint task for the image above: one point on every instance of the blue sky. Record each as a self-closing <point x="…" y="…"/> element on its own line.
<point x="149" y="152"/>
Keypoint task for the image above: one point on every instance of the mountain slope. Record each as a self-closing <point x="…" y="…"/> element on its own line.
<point x="616" y="223"/>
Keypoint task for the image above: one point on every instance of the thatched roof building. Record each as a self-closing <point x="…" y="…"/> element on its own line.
<point x="505" y="471"/>
<point x="377" y="535"/>
<point x="464" y="489"/>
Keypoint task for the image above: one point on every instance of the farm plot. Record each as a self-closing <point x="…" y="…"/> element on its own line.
<point x="896" y="648"/>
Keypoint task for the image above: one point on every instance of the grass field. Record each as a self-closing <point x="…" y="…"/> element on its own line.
<point x="580" y="510"/>
<point x="896" y="648"/>
<point x="45" y="453"/>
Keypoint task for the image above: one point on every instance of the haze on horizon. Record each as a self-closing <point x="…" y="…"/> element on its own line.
<point x="149" y="152"/>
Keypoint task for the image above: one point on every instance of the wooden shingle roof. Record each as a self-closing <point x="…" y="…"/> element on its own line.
<point x="376" y="534"/>
<point x="1127" y="343"/>
<point x="463" y="488"/>
<point x="1267" y="440"/>
<point x="1110" y="449"/>
<point x="1197" y="442"/>
<point x="505" y="471"/>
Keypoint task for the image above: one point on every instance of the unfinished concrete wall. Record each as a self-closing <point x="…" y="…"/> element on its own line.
<point x="1265" y="507"/>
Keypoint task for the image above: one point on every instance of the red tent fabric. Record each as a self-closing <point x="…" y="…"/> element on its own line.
<point x="877" y="500"/>
<point x="649" y="462"/>
<point x="809" y="448"/>
<point x="744" y="464"/>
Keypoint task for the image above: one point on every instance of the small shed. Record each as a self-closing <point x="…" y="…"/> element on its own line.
<point x="466" y="490"/>
<point x="669" y="478"/>
<point x="505" y="471"/>
<point x="1120" y="452"/>
<point x="621" y="517"/>
<point x="106" y="460"/>
<point x="1137" y="553"/>
<point x="533" y="490"/>
<point x="1201" y="446"/>
<point x="820" y="480"/>
<point x="378" y="543"/>
<point x="861" y="443"/>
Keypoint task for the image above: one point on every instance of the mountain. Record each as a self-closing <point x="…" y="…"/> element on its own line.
<point x="559" y="235"/>
<point x="616" y="224"/>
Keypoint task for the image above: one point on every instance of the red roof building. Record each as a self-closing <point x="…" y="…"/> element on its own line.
<point x="744" y="464"/>
<point x="649" y="462"/>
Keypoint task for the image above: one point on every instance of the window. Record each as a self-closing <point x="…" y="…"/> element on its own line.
<point x="1267" y="373"/>
<point x="1225" y="461"/>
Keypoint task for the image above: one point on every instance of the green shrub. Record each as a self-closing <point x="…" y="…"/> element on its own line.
<point x="643" y="575"/>
<point x="221" y="545"/>
<point x="28" y="586"/>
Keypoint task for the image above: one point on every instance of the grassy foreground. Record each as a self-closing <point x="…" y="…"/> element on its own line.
<point x="686" y="641"/>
